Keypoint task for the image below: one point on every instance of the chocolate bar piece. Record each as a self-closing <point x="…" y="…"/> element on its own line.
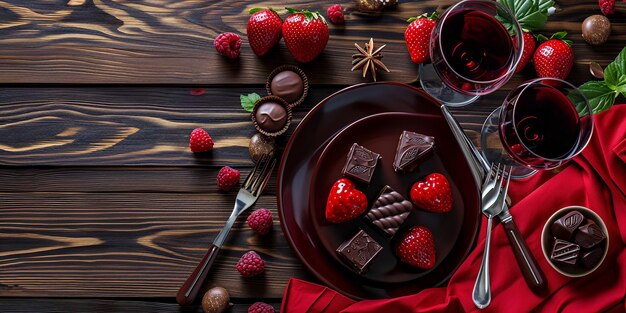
<point x="359" y="251"/>
<point x="389" y="211"/>
<point x="412" y="148"/>
<point x="564" y="251"/>
<point x="589" y="235"/>
<point x="360" y="164"/>
<point x="591" y="258"/>
<point x="565" y="226"/>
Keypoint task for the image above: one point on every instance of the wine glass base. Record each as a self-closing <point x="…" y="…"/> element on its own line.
<point x="432" y="84"/>
<point x="493" y="151"/>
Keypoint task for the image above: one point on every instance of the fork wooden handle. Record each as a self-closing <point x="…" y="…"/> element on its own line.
<point x="189" y="290"/>
<point x="531" y="272"/>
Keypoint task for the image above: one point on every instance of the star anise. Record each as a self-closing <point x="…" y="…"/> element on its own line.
<point x="369" y="58"/>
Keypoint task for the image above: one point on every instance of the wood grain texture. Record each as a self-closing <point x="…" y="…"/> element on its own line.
<point x="131" y="245"/>
<point x="171" y="41"/>
<point x="100" y="305"/>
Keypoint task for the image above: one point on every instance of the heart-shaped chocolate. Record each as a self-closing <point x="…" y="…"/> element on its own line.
<point x="345" y="202"/>
<point x="432" y="194"/>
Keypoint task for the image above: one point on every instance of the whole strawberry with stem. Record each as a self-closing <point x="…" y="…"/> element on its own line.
<point x="554" y="56"/>
<point x="417" y="248"/>
<point x="265" y="28"/>
<point x="531" y="16"/>
<point x="417" y="36"/>
<point x="306" y="34"/>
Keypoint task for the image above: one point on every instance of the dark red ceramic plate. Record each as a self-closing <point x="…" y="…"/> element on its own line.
<point x="386" y="268"/>
<point x="295" y="181"/>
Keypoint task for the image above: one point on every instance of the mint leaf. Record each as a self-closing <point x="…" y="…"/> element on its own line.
<point x="615" y="73"/>
<point x="247" y="102"/>
<point x="599" y="95"/>
<point x="531" y="14"/>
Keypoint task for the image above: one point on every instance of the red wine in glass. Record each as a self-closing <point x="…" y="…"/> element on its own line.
<point x="473" y="52"/>
<point x="539" y="124"/>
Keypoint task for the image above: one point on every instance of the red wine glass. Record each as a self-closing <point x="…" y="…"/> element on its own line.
<point x="538" y="127"/>
<point x="472" y="52"/>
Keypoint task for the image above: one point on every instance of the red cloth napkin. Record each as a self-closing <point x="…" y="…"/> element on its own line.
<point x="595" y="179"/>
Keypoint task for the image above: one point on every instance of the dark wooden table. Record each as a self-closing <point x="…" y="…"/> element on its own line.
<point x="102" y="206"/>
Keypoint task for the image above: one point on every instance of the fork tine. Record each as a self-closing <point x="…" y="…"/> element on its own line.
<point x="266" y="178"/>
<point x="259" y="179"/>
<point x="248" y="181"/>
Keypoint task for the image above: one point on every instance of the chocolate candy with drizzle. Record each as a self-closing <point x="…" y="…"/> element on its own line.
<point x="412" y="148"/>
<point x="389" y="211"/>
<point x="360" y="164"/>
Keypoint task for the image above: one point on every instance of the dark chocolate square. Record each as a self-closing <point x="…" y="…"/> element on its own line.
<point x="360" y="164"/>
<point x="591" y="258"/>
<point x="565" y="226"/>
<point x="412" y="149"/>
<point x="389" y="211"/>
<point x="589" y="235"/>
<point x="359" y="251"/>
<point x="564" y="251"/>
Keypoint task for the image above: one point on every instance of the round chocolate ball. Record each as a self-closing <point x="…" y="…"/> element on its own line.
<point x="261" y="145"/>
<point x="368" y="6"/>
<point x="596" y="29"/>
<point x="287" y="85"/>
<point x="271" y="116"/>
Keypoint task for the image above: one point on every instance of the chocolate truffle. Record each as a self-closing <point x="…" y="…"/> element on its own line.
<point x="271" y="116"/>
<point x="389" y="211"/>
<point x="565" y="226"/>
<point x="596" y="29"/>
<point x="589" y="235"/>
<point x="564" y="251"/>
<point x="412" y="148"/>
<point x="360" y="164"/>
<point x="591" y="258"/>
<point x="359" y="251"/>
<point x="287" y="85"/>
<point x="261" y="145"/>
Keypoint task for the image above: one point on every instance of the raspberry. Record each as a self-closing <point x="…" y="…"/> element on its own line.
<point x="228" y="45"/>
<point x="260" y="307"/>
<point x="260" y="221"/>
<point x="335" y="14"/>
<point x="607" y="6"/>
<point x="200" y="141"/>
<point x="227" y="178"/>
<point x="250" y="264"/>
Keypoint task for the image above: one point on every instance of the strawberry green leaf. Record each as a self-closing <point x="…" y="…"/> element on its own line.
<point x="541" y="38"/>
<point x="615" y="73"/>
<point x="433" y="16"/>
<point x="558" y="35"/>
<point x="599" y="95"/>
<point x="254" y="10"/>
<point x="247" y="102"/>
<point x="291" y="10"/>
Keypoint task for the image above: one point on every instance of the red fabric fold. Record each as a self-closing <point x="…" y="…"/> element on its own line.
<point x="595" y="179"/>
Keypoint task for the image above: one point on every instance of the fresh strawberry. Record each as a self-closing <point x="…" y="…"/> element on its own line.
<point x="417" y="248"/>
<point x="264" y="30"/>
<point x="554" y="57"/>
<point x="200" y="141"/>
<point x="417" y="36"/>
<point x="345" y="202"/>
<point x="607" y="6"/>
<point x="306" y="34"/>
<point x="433" y="194"/>
<point x="527" y="53"/>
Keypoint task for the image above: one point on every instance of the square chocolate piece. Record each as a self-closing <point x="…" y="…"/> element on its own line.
<point x="591" y="258"/>
<point x="389" y="211"/>
<point x="412" y="149"/>
<point x="589" y="235"/>
<point x="359" y="251"/>
<point x="360" y="164"/>
<point x="565" y="226"/>
<point x="565" y="251"/>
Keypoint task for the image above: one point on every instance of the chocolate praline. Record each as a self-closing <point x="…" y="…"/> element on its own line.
<point x="287" y="85"/>
<point x="271" y="116"/>
<point x="261" y="145"/>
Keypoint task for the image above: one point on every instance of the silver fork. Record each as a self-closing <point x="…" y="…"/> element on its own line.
<point x="247" y="196"/>
<point x="493" y="203"/>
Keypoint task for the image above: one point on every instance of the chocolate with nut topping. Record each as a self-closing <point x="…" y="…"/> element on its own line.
<point x="359" y="251"/>
<point x="360" y="164"/>
<point x="412" y="148"/>
<point x="389" y="211"/>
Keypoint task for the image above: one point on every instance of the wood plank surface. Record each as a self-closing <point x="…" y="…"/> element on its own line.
<point x="100" y="305"/>
<point x="171" y="41"/>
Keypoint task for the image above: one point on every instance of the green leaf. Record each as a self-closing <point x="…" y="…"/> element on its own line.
<point x="247" y="102"/>
<point x="599" y="95"/>
<point x="615" y="73"/>
<point x="531" y="14"/>
<point x="254" y="10"/>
